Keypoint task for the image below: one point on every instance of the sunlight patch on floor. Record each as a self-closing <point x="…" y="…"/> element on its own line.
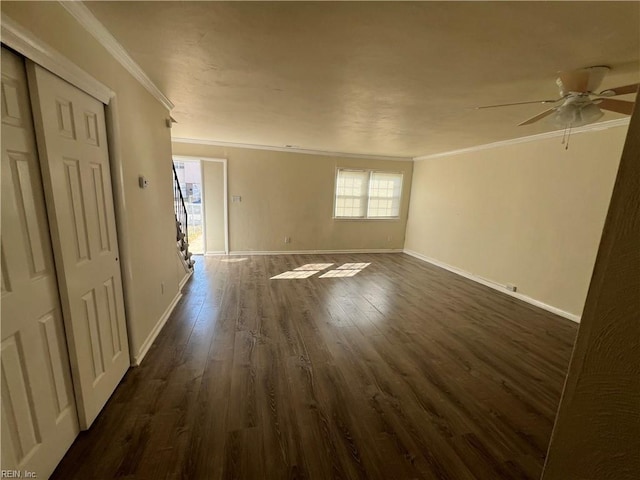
<point x="293" y="274"/>
<point x="353" y="266"/>
<point x="339" y="273"/>
<point x="310" y="269"/>
<point x="314" y="266"/>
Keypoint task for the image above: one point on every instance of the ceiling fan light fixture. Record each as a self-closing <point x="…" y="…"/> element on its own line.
<point x="576" y="114"/>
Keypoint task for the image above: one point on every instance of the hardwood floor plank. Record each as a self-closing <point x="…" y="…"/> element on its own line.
<point x="403" y="371"/>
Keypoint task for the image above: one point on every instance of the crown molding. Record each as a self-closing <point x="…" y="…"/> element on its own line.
<point x="92" y="25"/>
<point x="30" y="46"/>
<point x="216" y="143"/>
<point x="531" y="138"/>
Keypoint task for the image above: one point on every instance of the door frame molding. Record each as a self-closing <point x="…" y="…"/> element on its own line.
<point x="225" y="181"/>
<point x="33" y="48"/>
<point x="30" y="46"/>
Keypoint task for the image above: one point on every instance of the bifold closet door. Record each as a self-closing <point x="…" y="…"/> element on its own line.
<point x="39" y="420"/>
<point x="72" y="143"/>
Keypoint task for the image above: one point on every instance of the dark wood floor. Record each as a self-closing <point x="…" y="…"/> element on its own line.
<point x="404" y="371"/>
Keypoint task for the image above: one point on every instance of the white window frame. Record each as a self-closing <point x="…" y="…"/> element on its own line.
<point x="370" y="173"/>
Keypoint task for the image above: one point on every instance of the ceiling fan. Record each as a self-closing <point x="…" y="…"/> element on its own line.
<point x="581" y="104"/>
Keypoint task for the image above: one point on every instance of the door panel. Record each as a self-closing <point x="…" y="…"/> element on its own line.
<point x="39" y="420"/>
<point x="77" y="183"/>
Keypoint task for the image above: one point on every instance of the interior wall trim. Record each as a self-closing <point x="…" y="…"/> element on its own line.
<point x="313" y="252"/>
<point x="531" y="138"/>
<point x="26" y="43"/>
<point x="216" y="143"/>
<point x="184" y="280"/>
<point x="495" y="286"/>
<point x="144" y="349"/>
<point x="91" y="24"/>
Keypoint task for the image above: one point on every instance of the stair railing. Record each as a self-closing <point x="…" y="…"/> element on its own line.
<point x="180" y="208"/>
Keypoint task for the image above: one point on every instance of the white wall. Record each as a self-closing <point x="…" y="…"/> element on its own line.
<point x="529" y="214"/>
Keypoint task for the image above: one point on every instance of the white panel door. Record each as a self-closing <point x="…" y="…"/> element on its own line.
<point x="39" y="420"/>
<point x="71" y="135"/>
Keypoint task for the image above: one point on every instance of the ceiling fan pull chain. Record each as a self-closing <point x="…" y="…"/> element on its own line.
<point x="566" y="147"/>
<point x="564" y="135"/>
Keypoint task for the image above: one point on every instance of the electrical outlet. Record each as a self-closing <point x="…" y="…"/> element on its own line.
<point x="287" y="239"/>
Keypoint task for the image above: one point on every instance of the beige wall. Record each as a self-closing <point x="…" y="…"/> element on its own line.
<point x="291" y="194"/>
<point x="529" y="214"/>
<point x="148" y="251"/>
<point x="213" y="186"/>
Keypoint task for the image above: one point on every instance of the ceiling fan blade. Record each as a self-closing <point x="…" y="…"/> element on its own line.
<point x="582" y="80"/>
<point x="612" y="92"/>
<point x="519" y="103"/>
<point x="539" y="116"/>
<point x="618" y="106"/>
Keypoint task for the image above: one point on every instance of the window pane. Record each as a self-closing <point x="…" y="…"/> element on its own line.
<point x="351" y="193"/>
<point x="384" y="195"/>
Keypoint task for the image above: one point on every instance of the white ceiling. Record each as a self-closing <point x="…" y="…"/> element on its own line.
<point x="379" y="78"/>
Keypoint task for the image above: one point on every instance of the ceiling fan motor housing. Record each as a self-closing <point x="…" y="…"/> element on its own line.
<point x="584" y="80"/>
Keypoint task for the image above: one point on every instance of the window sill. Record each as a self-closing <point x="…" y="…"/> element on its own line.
<point x="356" y="219"/>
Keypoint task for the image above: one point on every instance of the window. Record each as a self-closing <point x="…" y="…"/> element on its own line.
<point x="367" y="194"/>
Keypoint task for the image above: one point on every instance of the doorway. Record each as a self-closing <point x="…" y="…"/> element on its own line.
<point x="209" y="177"/>
<point x="189" y="172"/>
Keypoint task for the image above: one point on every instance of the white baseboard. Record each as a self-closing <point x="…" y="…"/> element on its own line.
<point x="496" y="286"/>
<point x="318" y="252"/>
<point x="184" y="280"/>
<point x="211" y="254"/>
<point x="137" y="359"/>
